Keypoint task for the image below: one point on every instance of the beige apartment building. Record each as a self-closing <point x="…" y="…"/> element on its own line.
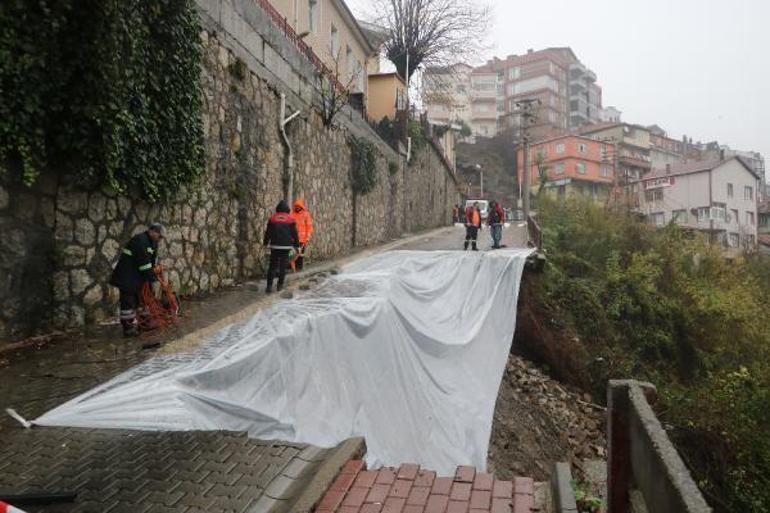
<point x="330" y="29"/>
<point x="716" y="197"/>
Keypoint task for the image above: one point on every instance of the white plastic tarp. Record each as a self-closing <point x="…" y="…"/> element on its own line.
<point x="406" y="348"/>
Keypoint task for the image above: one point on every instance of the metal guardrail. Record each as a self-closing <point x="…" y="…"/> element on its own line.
<point x="643" y="464"/>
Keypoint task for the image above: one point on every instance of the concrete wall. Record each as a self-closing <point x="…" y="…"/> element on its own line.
<point x="60" y="242"/>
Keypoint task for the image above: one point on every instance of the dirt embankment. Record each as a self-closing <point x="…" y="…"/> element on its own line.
<point x="543" y="413"/>
<point x="539" y="421"/>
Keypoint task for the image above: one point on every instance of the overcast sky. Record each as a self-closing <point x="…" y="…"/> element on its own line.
<point x="695" y="67"/>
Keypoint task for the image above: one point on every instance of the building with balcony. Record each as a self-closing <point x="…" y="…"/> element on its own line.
<point x="717" y="197"/>
<point x="566" y="90"/>
<point x="333" y="34"/>
<point x="446" y="94"/>
<point x="571" y="166"/>
<point x="387" y="96"/>
<point x="628" y="144"/>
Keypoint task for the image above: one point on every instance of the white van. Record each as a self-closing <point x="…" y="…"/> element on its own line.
<point x="483" y="206"/>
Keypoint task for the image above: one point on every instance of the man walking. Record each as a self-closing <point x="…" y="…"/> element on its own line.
<point x="134" y="269"/>
<point x="495" y="220"/>
<point x="304" y="221"/>
<point x="280" y="236"/>
<point x="472" y="225"/>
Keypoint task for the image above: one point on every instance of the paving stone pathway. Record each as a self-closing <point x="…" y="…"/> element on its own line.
<point x="410" y="489"/>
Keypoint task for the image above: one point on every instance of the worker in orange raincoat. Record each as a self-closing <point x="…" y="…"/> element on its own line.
<point x="304" y="222"/>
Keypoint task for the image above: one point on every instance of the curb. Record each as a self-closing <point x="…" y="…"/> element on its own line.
<point x="561" y="487"/>
<point x="313" y="492"/>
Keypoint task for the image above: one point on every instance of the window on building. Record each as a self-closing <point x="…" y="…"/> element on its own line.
<point x="313" y="8"/>
<point x="729" y="190"/>
<point x="719" y="211"/>
<point x="560" y="148"/>
<point x="360" y="77"/>
<point x="514" y="73"/>
<point x="653" y="195"/>
<point x="605" y="171"/>
<point x="658" y="218"/>
<point x="349" y="63"/>
<point x="734" y="240"/>
<point x="748" y="193"/>
<point x="334" y="41"/>
<point x="581" y="167"/>
<point x="679" y="216"/>
<point x="734" y="218"/>
<point x="582" y="148"/>
<point x="704" y="213"/>
<point x="559" y="168"/>
<point x="750" y="218"/>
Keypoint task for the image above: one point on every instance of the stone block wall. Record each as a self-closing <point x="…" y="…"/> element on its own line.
<point x="60" y="242"/>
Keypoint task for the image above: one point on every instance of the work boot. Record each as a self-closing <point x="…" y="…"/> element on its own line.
<point x="474" y="248"/>
<point x="465" y="246"/>
<point x="130" y="330"/>
<point x="279" y="287"/>
<point x="269" y="289"/>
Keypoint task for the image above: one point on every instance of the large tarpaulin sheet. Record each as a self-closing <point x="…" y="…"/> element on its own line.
<point x="405" y="348"/>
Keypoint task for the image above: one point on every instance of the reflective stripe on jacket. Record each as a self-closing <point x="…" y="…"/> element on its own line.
<point x="135" y="264"/>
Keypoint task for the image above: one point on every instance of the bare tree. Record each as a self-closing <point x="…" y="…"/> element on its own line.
<point x="334" y="86"/>
<point x="432" y="32"/>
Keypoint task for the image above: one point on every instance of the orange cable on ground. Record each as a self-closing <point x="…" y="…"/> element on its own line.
<point x="160" y="313"/>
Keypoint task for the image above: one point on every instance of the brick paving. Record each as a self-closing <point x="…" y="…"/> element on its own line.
<point x="411" y="489"/>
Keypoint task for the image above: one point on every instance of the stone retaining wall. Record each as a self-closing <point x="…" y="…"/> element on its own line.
<point x="60" y="243"/>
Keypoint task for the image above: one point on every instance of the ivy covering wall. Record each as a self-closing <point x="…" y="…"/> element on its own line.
<point x="106" y="92"/>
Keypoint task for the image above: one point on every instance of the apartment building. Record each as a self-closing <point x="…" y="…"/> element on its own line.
<point x="717" y="197"/>
<point x="573" y="166"/>
<point x="663" y="149"/>
<point x="567" y="92"/>
<point x="334" y="35"/>
<point x="633" y="148"/>
<point x="446" y="94"/>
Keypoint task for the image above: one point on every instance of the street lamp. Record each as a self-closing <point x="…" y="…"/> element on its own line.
<point x="481" y="175"/>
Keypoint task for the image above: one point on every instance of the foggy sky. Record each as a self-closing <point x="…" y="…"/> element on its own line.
<point x="694" y="67"/>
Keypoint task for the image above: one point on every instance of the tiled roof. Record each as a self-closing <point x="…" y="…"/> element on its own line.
<point x="694" y="166"/>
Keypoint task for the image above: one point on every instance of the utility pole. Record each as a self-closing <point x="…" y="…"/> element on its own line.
<point x="481" y="178"/>
<point x="528" y="116"/>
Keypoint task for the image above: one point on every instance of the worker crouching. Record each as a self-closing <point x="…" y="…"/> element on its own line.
<point x="133" y="270"/>
<point x="281" y="237"/>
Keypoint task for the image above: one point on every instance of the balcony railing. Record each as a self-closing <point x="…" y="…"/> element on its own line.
<point x="282" y="23"/>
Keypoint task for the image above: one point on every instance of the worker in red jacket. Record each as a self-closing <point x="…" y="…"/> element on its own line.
<point x="281" y="237"/>
<point x="496" y="220"/>
<point x="472" y="225"/>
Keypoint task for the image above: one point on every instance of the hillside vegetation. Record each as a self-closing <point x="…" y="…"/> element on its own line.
<point x="665" y="306"/>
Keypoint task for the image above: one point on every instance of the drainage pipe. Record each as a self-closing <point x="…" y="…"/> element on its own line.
<point x="289" y="160"/>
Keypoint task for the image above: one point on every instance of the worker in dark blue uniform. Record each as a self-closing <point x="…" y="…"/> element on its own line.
<point x="134" y="269"/>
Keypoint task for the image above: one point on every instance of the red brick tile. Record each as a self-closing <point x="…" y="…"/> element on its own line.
<point x="425" y="478"/>
<point x="348" y="509"/>
<point x="465" y="474"/>
<point x="457" y="507"/>
<point x="436" y="504"/>
<point x="355" y="496"/>
<point x="523" y="503"/>
<point x="408" y="471"/>
<point x="401" y="488"/>
<point x="331" y="500"/>
<point x="501" y="505"/>
<point x="461" y="492"/>
<point x="385" y="476"/>
<point x="502" y="489"/>
<point x="378" y="493"/>
<point x="481" y="499"/>
<point x="365" y="479"/>
<point x="479" y="511"/>
<point x="352" y="467"/>
<point x="413" y="509"/>
<point x="523" y="485"/>
<point x="394" y="505"/>
<point x="483" y="481"/>
<point x="343" y="482"/>
<point x="371" y="508"/>
<point x="442" y="486"/>
<point x="418" y="495"/>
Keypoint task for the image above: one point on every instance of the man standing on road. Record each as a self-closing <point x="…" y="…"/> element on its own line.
<point x="281" y="237"/>
<point x="304" y="221"/>
<point x="134" y="269"/>
<point x="472" y="225"/>
<point x="495" y="220"/>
